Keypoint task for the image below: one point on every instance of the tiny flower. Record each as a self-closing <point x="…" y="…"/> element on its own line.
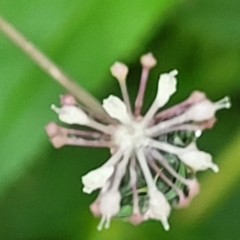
<point x="148" y="60"/>
<point x="159" y="208"/>
<point x="96" y="178"/>
<point x="109" y="206"/>
<point x="166" y="87"/>
<point x="71" y="115"/>
<point x="116" y="109"/>
<point x="154" y="157"/>
<point x="193" y="190"/>
<point x="198" y="160"/>
<point x="119" y="71"/>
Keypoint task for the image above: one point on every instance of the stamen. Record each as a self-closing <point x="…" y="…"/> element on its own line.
<point x="120" y="71"/>
<point x="87" y="143"/>
<point x="183" y="127"/>
<point x="165" y="147"/>
<point x="114" y="158"/>
<point x="145" y="169"/>
<point x="120" y="171"/>
<point x="125" y="95"/>
<point x="197" y="127"/>
<point x="148" y="62"/>
<point x="133" y="183"/>
<point x="156" y="155"/>
<point x="53" y="129"/>
<point x="166" y="87"/>
<point x="89" y="134"/>
<point x="60" y="136"/>
<point x="151" y="131"/>
<point x="101" y="127"/>
<point x="178" y="109"/>
<point x="166" y="179"/>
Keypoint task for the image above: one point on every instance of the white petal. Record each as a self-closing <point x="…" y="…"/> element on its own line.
<point x="116" y="109"/>
<point x="198" y="160"/>
<point x="71" y="115"/>
<point x="166" y="87"/>
<point x="96" y="178"/>
<point x="109" y="206"/>
<point x="159" y="208"/>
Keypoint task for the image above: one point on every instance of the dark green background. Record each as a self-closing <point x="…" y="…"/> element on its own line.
<point x="40" y="188"/>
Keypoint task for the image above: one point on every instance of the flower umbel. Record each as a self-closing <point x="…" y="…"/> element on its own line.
<point x="154" y="157"/>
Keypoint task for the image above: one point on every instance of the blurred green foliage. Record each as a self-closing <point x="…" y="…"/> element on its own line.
<point x="40" y="188"/>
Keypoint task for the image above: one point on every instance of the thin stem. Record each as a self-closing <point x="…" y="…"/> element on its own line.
<point x="141" y="91"/>
<point x="49" y="67"/>
<point x="156" y="155"/>
<point x="179" y="108"/>
<point x="145" y="169"/>
<point x="166" y="179"/>
<point x="133" y="183"/>
<point x="166" y="147"/>
<point x="125" y="95"/>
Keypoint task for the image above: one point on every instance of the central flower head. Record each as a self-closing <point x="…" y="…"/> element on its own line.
<point x="130" y="136"/>
<point x="161" y="141"/>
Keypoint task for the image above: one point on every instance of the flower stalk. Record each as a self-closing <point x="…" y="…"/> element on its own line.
<point x="50" y="67"/>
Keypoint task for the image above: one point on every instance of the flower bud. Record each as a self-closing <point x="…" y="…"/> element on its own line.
<point x="166" y="87"/>
<point x="148" y="60"/>
<point x="198" y="160"/>
<point x="109" y="206"/>
<point x="119" y="71"/>
<point x="159" y="208"/>
<point x="71" y="115"/>
<point x="116" y="109"/>
<point x="96" y="178"/>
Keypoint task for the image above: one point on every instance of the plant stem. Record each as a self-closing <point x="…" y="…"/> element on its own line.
<point x="49" y="67"/>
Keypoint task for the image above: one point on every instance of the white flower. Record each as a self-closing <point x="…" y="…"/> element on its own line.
<point x="71" y="115"/>
<point x="205" y="109"/>
<point x="159" y="208"/>
<point x="156" y="140"/>
<point x="109" y="206"/>
<point x="166" y="87"/>
<point x="198" y="160"/>
<point x="119" y="71"/>
<point x="116" y="109"/>
<point x="96" y="178"/>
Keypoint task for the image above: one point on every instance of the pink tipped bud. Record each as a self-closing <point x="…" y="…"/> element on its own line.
<point x="119" y="71"/>
<point x="148" y="60"/>
<point x="67" y="100"/>
<point x="206" y="109"/>
<point x="193" y="190"/>
<point x="58" y="141"/>
<point x="109" y="206"/>
<point x="71" y="115"/>
<point x="52" y="129"/>
<point x="136" y="219"/>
